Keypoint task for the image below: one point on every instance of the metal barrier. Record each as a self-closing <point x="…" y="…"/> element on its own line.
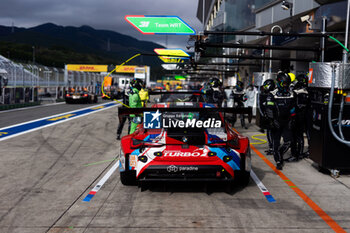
<point x="19" y="95"/>
<point x="25" y="83"/>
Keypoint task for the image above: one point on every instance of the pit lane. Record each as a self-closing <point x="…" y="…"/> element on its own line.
<point x="20" y="115"/>
<point x="44" y="182"/>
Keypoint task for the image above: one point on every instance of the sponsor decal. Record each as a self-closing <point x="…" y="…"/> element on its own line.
<point x="130" y="69"/>
<point x="133" y="160"/>
<point x="172" y="60"/>
<point x="344" y="123"/>
<point x="183" y="154"/>
<point x="173" y="168"/>
<point x="175" y="52"/>
<point x="192" y="123"/>
<point x="156" y="120"/>
<point x="87" y="68"/>
<point x="152" y="120"/>
<point x="188" y="169"/>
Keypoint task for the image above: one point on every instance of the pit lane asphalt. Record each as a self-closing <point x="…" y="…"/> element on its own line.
<point x="43" y="181"/>
<point x="20" y="115"/>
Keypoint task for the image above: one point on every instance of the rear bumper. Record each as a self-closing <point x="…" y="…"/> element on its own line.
<point x="80" y="99"/>
<point x="185" y="173"/>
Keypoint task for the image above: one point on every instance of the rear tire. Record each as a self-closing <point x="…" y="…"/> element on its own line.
<point x="89" y="100"/>
<point x="243" y="176"/>
<point x="128" y="178"/>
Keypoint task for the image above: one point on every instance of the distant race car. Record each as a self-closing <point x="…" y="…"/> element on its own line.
<point x="80" y="97"/>
<point x="184" y="141"/>
<point x="157" y="86"/>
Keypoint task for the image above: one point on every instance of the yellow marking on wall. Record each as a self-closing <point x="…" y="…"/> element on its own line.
<point x="61" y="117"/>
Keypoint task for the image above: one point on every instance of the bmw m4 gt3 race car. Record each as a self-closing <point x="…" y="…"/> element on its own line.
<point x="80" y="97"/>
<point x="184" y="141"/>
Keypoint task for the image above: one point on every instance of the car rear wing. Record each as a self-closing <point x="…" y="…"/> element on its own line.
<point x="137" y="111"/>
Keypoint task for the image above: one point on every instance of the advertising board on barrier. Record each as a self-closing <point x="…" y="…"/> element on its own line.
<point x="87" y="68"/>
<point x="129" y="69"/>
<point x="125" y="69"/>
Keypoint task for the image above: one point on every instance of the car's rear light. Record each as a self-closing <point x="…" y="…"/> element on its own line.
<point x="85" y="95"/>
<point x="234" y="143"/>
<point x="67" y="94"/>
<point x="135" y="143"/>
<point x="233" y="140"/>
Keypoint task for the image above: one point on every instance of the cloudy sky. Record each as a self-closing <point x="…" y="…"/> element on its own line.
<point x="100" y="14"/>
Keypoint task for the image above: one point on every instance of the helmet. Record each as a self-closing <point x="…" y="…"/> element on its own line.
<point x="302" y="80"/>
<point x="283" y="81"/>
<point x="239" y="86"/>
<point x="269" y="85"/>
<point x="292" y="77"/>
<point x="136" y="83"/>
<point x="215" y="82"/>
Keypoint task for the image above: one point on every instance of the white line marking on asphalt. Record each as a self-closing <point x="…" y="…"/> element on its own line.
<point x="262" y="187"/>
<point x="99" y="185"/>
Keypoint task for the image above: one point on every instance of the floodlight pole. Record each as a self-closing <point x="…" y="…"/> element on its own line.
<point x="281" y="31"/>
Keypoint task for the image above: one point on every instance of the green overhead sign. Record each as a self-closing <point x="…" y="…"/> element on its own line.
<point x="155" y="24"/>
<point x="178" y="77"/>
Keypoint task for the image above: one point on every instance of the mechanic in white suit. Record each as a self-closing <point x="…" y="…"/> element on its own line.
<point x="250" y="93"/>
<point x="229" y="97"/>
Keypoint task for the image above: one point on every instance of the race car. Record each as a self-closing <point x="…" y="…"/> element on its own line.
<point x="76" y="96"/>
<point x="184" y="141"/>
